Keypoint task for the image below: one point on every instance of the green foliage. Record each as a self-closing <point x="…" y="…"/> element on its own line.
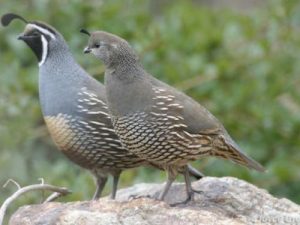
<point x="243" y="67"/>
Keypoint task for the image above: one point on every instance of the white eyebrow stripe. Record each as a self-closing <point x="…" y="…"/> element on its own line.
<point x="44" y="51"/>
<point x="43" y="30"/>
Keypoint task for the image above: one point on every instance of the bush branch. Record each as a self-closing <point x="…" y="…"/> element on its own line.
<point x="58" y="191"/>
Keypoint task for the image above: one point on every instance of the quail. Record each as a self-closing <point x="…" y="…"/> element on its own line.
<point x="154" y="120"/>
<point x="74" y="108"/>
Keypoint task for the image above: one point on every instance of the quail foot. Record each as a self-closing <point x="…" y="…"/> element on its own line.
<point x="74" y="108"/>
<point x="155" y="121"/>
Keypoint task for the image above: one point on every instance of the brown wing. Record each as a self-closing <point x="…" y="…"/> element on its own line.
<point x="198" y="130"/>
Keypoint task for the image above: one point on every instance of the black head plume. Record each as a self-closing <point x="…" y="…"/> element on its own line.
<point x="8" y="17"/>
<point x="84" y="31"/>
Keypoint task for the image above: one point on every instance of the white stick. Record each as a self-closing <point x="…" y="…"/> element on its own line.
<point x="35" y="187"/>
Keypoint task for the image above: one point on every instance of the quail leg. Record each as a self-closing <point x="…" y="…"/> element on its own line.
<point x="188" y="186"/>
<point x="172" y="173"/>
<point x="189" y="190"/>
<point x="100" y="182"/>
<point x="115" y="186"/>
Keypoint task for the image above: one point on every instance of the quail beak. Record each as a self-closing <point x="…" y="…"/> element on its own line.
<point x="86" y="50"/>
<point x="21" y="37"/>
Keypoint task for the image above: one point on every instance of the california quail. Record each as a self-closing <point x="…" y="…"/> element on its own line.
<point x="74" y="108"/>
<point x="155" y="121"/>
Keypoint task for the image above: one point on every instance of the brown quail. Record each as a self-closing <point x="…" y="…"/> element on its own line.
<point x="155" y="121"/>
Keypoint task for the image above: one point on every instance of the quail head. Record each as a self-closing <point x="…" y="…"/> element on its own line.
<point x="74" y="107"/>
<point x="155" y="121"/>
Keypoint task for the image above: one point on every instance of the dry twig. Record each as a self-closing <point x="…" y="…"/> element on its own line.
<point x="58" y="191"/>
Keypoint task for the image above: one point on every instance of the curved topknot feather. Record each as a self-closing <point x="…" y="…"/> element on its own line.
<point x="8" y="17"/>
<point x="84" y="31"/>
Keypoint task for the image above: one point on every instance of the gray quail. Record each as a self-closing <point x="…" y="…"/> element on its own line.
<point x="74" y="108"/>
<point x="155" y="121"/>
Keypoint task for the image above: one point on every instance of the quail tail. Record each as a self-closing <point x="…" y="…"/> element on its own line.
<point x="232" y="152"/>
<point x="194" y="172"/>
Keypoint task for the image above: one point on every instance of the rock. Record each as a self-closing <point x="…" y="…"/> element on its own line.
<point x="224" y="200"/>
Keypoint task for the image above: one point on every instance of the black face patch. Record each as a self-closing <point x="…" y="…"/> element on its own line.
<point x="35" y="43"/>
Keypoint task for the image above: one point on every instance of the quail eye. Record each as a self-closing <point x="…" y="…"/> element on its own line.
<point x="97" y="45"/>
<point x="35" y="33"/>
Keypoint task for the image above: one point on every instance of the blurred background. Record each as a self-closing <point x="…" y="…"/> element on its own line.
<point x="240" y="59"/>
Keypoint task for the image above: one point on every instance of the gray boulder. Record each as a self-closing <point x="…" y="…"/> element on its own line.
<point x="224" y="200"/>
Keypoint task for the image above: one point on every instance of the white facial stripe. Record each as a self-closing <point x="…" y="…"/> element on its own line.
<point x="45" y="50"/>
<point x="43" y="30"/>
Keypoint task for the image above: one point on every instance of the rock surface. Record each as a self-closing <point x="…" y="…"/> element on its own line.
<point x="223" y="201"/>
